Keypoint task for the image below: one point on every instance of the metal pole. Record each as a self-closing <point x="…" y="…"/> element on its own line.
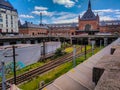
<point x="14" y="62"/>
<point x="41" y="18"/>
<point x="85" y="51"/>
<point x="74" y="52"/>
<point x="100" y="43"/>
<point x="43" y="49"/>
<point x="93" y="42"/>
<point x="3" y="76"/>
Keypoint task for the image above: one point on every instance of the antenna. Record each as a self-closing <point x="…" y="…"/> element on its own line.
<point x="40" y="18"/>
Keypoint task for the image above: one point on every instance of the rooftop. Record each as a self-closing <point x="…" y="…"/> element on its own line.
<point x="6" y="5"/>
<point x="89" y="15"/>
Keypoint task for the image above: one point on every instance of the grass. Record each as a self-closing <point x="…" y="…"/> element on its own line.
<point x="47" y="77"/>
<point x="27" y="68"/>
<point x="70" y="49"/>
<point x="53" y="74"/>
<point x="38" y="64"/>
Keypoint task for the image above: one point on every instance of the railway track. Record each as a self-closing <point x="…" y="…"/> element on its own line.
<point x="48" y="66"/>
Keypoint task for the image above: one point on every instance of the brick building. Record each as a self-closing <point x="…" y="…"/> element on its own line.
<point x="62" y="29"/>
<point x="112" y="27"/>
<point x="29" y="28"/>
<point x="89" y="23"/>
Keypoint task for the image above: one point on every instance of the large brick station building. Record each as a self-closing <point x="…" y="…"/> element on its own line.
<point x="89" y="23"/>
<point x="28" y="28"/>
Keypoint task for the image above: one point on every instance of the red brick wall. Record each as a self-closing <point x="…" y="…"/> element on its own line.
<point x="23" y="30"/>
<point x="33" y="31"/>
<point x="110" y="28"/>
<point x="94" y="24"/>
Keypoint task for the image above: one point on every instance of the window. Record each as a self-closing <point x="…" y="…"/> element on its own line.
<point x="1" y="20"/>
<point x="6" y="30"/>
<point x="0" y="30"/>
<point x="6" y="17"/>
<point x="87" y="27"/>
<point x="11" y="30"/>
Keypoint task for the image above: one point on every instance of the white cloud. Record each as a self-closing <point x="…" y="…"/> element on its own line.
<point x="45" y="13"/>
<point x="25" y="16"/>
<point x="66" y="3"/>
<point x="104" y="11"/>
<point x="76" y="0"/>
<point x="65" y="17"/>
<point x="104" y="18"/>
<point x="41" y="8"/>
<point x="118" y="17"/>
<point x="71" y="20"/>
<point x="108" y="14"/>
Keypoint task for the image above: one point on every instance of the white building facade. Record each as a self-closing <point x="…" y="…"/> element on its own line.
<point x="8" y="18"/>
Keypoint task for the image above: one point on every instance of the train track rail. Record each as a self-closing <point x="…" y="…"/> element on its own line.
<point x="48" y="66"/>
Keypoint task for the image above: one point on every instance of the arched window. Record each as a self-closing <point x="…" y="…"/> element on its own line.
<point x="87" y="27"/>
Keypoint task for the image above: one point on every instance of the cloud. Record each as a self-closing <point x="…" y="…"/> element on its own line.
<point x="65" y="17"/>
<point x="66" y="3"/>
<point x="25" y="16"/>
<point x="41" y="8"/>
<point x="108" y="14"/>
<point x="104" y="18"/>
<point x="105" y="11"/>
<point x="45" y="13"/>
<point x="70" y="20"/>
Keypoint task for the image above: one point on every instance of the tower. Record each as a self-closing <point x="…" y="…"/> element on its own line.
<point x="88" y="23"/>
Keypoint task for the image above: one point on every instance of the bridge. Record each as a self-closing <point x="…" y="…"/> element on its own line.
<point x="27" y="39"/>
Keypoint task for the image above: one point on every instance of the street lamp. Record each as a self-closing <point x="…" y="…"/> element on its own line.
<point x="93" y="43"/>
<point x="3" y="75"/>
<point x="74" y="56"/>
<point x="14" y="62"/>
<point x="85" y="43"/>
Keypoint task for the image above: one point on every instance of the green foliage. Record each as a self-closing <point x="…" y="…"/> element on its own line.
<point x="47" y="77"/>
<point x="59" y="52"/>
<point x="69" y="50"/>
<point x="53" y="74"/>
<point x="65" y="45"/>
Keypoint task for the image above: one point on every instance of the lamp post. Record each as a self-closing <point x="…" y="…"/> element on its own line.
<point x="93" y="43"/>
<point x="100" y="43"/>
<point x="74" y="52"/>
<point x="3" y="75"/>
<point x="14" y="62"/>
<point x="85" y="42"/>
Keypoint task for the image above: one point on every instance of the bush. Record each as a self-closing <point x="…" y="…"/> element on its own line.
<point x="59" y="52"/>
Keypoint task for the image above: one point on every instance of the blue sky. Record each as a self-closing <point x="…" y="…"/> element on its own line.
<point x="64" y="11"/>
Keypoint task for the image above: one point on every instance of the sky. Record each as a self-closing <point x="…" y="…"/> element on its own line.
<point x="64" y="11"/>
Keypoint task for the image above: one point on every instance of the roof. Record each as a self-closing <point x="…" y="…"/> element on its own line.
<point x="6" y="5"/>
<point x="110" y="22"/>
<point x="63" y="25"/>
<point x="88" y="15"/>
<point x="31" y="25"/>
